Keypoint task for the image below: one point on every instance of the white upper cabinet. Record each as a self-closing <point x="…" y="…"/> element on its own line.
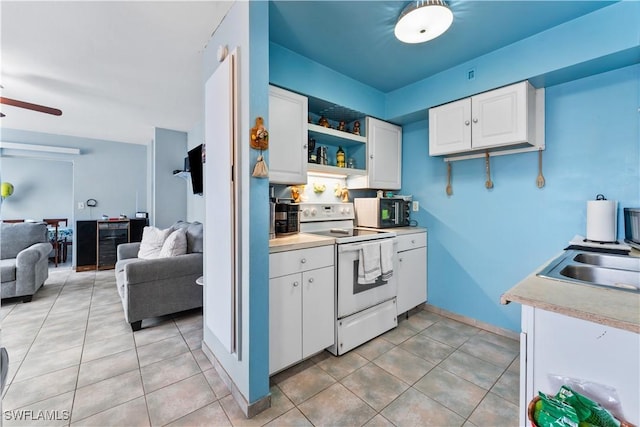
<point x="384" y="157"/>
<point x="288" y="136"/>
<point x="512" y="115"/>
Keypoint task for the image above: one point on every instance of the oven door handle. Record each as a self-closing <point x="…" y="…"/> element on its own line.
<point x="357" y="247"/>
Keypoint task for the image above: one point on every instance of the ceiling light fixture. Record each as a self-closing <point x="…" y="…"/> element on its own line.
<point x="423" y="20"/>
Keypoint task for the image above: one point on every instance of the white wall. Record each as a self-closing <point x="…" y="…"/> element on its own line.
<point x="169" y="192"/>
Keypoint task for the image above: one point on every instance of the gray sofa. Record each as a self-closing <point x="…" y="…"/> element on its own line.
<point x="24" y="258"/>
<point x="156" y="287"/>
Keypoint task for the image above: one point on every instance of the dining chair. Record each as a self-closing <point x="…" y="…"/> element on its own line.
<point x="57" y="244"/>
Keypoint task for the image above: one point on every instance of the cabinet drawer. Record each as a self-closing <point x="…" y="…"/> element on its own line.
<point x="290" y="262"/>
<point x="412" y="241"/>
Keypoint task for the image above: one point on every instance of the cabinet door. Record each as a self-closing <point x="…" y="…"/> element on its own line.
<point x="499" y="117"/>
<point x="412" y="278"/>
<point x="450" y="128"/>
<point x="86" y="245"/>
<point x="287" y="137"/>
<point x="318" y="310"/>
<point x="285" y="326"/>
<point x="384" y="147"/>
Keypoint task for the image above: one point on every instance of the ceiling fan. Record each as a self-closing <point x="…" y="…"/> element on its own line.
<point x="29" y="106"/>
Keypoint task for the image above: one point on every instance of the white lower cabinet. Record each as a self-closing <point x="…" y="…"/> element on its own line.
<point x="557" y="344"/>
<point x="301" y="305"/>
<point x="412" y="271"/>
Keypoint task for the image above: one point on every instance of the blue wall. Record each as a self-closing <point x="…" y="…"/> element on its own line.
<point x="482" y="242"/>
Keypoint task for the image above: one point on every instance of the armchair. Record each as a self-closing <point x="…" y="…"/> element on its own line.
<point x="24" y="264"/>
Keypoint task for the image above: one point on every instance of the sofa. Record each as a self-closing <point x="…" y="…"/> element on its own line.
<point x="159" y="285"/>
<point x="24" y="258"/>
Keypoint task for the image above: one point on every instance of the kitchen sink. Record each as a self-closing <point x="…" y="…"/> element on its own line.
<point x="610" y="271"/>
<point x="609" y="261"/>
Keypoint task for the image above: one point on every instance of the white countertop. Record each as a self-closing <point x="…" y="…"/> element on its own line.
<point x="298" y="241"/>
<point x="616" y="308"/>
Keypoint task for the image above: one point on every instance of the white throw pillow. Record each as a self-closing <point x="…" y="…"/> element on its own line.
<point x="176" y="244"/>
<point x="152" y="240"/>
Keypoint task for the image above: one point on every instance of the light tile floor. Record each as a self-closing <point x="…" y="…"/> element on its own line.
<point x="74" y="358"/>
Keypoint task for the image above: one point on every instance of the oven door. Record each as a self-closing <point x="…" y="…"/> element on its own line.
<point x="352" y="296"/>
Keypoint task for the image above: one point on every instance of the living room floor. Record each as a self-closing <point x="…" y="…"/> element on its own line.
<point x="74" y="360"/>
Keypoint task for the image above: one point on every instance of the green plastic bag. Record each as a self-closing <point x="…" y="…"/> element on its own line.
<point x="555" y="413"/>
<point x="588" y="411"/>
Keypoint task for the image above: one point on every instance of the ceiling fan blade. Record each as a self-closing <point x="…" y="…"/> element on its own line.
<point x="30" y="106"/>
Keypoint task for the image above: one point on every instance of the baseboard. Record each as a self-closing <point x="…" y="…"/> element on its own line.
<point x="473" y="322"/>
<point x="250" y="410"/>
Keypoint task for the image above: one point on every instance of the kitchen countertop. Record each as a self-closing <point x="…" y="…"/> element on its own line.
<point x="611" y="307"/>
<point x="298" y="241"/>
<point x="401" y="230"/>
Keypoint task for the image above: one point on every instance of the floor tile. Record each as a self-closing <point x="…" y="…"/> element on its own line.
<point x="374" y="348"/>
<point x="486" y="350"/>
<point x="340" y="367"/>
<point x="419" y="321"/>
<point x="337" y="406"/>
<point x="202" y="360"/>
<point x="413" y="408"/>
<point x="477" y="371"/>
<point x="168" y="371"/>
<point x="161" y="350"/>
<point x="211" y="415"/>
<point x="427" y="348"/>
<point x="57" y="411"/>
<point x="106" y="367"/>
<point x="404" y="365"/>
<point x="379" y="421"/>
<point x="216" y="383"/>
<point x="131" y="414"/>
<point x="399" y="334"/>
<point x="97" y="349"/>
<point x="193" y="339"/>
<point x="508" y="387"/>
<point x="495" y="411"/>
<point x="305" y="384"/>
<point x="177" y="400"/>
<point x="459" y="395"/>
<point x="447" y="335"/>
<point x="293" y="418"/>
<point x="106" y="394"/>
<point x="160" y="332"/>
<point x="280" y="404"/>
<point x="37" y="364"/>
<point x="22" y="393"/>
<point x="374" y="385"/>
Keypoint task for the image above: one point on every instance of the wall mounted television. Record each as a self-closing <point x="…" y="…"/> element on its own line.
<point x="195" y="167"/>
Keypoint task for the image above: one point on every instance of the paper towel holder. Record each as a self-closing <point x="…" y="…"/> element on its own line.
<point x="602" y="220"/>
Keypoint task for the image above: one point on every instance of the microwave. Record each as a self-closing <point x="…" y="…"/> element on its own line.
<point x="382" y="212"/>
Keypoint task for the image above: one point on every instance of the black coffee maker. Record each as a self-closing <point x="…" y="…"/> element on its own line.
<point x="287" y="218"/>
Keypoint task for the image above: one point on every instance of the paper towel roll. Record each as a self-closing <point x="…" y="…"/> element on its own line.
<point x="602" y="220"/>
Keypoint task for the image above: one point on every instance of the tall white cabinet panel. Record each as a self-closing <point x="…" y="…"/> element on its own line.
<point x="317" y="310"/>
<point x="450" y="128"/>
<point x="412" y="271"/>
<point x="511" y="115"/>
<point x="499" y="117"/>
<point x="384" y="157"/>
<point x="285" y="328"/>
<point x="287" y="137"/>
<point x="301" y="305"/>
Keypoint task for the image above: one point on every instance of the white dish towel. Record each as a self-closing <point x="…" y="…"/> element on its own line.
<point x="369" y="263"/>
<point x="386" y="258"/>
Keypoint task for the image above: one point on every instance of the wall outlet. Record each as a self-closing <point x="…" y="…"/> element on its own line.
<point x="415" y="206"/>
<point x="80" y="205"/>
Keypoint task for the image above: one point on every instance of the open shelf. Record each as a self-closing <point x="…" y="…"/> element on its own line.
<point x="313" y="167"/>
<point x="334" y="136"/>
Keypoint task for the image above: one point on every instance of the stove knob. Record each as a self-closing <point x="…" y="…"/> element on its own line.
<point x="305" y="212"/>
<point x="313" y="212"/>
<point x="347" y="210"/>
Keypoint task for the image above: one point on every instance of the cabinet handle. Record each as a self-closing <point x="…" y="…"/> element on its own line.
<point x="413" y="242"/>
<point x="371" y="156"/>
<point x="295" y="284"/>
<point x="475" y="120"/>
<point x="304" y="146"/>
<point x="467" y="122"/>
<point x="400" y="259"/>
<point x="303" y="260"/>
<point x="310" y="279"/>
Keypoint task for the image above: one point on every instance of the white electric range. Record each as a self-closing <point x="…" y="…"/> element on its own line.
<point x="363" y="310"/>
